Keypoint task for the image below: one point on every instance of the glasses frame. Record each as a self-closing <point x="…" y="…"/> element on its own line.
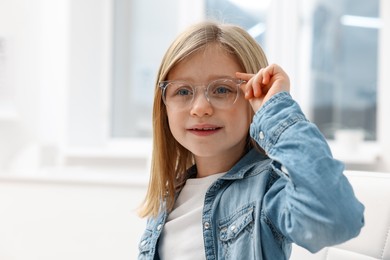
<point x="164" y="84"/>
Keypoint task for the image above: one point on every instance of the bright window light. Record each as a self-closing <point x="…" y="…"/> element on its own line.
<point x="257" y="30"/>
<point x="361" y="21"/>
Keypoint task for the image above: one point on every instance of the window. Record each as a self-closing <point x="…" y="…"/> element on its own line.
<point x="139" y="41"/>
<point x="342" y="58"/>
<point x="142" y="31"/>
<point x="344" y="65"/>
<point x="88" y="73"/>
<point x="342" y="76"/>
<point x="251" y="15"/>
<point x="329" y="48"/>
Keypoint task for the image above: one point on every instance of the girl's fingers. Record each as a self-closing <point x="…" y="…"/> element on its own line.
<point x="244" y="76"/>
<point x="256" y="84"/>
<point x="264" y="84"/>
<point x="249" y="93"/>
<point x="252" y="88"/>
<point x="266" y="77"/>
<point x="247" y="89"/>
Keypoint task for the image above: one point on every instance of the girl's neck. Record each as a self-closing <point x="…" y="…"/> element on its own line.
<point x="207" y="166"/>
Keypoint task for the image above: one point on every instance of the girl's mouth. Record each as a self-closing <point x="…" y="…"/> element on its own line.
<point x="204" y="131"/>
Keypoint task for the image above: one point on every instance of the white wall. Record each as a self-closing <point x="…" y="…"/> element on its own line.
<point x="45" y="213"/>
<point x="384" y="83"/>
<point x="78" y="220"/>
<point x="21" y="33"/>
<point x="34" y="34"/>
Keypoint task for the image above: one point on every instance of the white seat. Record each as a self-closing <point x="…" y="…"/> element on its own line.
<point x="373" y="190"/>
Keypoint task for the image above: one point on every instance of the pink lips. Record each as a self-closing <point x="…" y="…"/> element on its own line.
<point x="204" y="130"/>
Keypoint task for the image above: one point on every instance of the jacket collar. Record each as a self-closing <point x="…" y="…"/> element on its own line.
<point x="245" y="166"/>
<point x="252" y="163"/>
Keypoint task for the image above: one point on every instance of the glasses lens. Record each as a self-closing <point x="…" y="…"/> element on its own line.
<point x="178" y="94"/>
<point x="223" y="92"/>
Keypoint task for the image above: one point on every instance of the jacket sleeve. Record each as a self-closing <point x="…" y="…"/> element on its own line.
<point x="312" y="203"/>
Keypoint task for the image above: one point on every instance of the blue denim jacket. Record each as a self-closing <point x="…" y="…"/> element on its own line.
<point x="295" y="194"/>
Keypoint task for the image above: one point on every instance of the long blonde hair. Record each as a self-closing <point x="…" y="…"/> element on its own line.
<point x="170" y="160"/>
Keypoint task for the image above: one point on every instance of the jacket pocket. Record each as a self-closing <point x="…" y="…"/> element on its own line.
<point x="236" y="234"/>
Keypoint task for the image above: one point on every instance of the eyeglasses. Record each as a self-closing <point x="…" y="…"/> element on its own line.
<point x="220" y="93"/>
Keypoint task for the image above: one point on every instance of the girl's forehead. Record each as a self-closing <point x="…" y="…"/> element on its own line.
<point x="208" y="63"/>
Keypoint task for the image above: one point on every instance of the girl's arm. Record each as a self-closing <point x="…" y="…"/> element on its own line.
<point x="312" y="203"/>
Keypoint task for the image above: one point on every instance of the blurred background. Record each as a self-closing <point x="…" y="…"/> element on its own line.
<point x="76" y="90"/>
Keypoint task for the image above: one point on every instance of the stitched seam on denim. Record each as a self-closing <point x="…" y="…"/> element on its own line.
<point x="239" y="212"/>
<point x="386" y="240"/>
<point x="256" y="170"/>
<point x="207" y="216"/>
<point x="277" y="97"/>
<point x="273" y="177"/>
<point x="284" y="125"/>
<point x="280" y="237"/>
<point x="241" y="216"/>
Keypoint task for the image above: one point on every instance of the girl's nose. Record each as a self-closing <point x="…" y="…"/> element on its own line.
<point x="201" y="106"/>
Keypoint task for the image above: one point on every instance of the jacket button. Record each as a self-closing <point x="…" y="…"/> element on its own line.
<point x="143" y="243"/>
<point x="261" y="135"/>
<point x="159" y="227"/>
<point x="283" y="169"/>
<point x="206" y="225"/>
<point x="234" y="228"/>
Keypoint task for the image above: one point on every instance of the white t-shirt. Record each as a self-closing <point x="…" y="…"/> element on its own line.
<point x="182" y="236"/>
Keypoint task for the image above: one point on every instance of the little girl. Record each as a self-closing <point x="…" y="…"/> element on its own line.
<point x="238" y="172"/>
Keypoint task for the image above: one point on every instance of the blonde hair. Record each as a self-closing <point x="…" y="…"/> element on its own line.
<point x="170" y="160"/>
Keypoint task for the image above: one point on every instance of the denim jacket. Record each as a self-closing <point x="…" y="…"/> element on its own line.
<point x="295" y="194"/>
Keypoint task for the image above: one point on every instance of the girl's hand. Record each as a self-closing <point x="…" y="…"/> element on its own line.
<point x="262" y="86"/>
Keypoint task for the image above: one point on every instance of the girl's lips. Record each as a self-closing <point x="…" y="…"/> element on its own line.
<point x="204" y="130"/>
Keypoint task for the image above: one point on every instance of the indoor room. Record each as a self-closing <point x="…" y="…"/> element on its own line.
<point x="77" y="83"/>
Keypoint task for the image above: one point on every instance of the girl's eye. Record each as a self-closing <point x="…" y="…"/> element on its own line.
<point x="222" y="90"/>
<point x="183" y="91"/>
